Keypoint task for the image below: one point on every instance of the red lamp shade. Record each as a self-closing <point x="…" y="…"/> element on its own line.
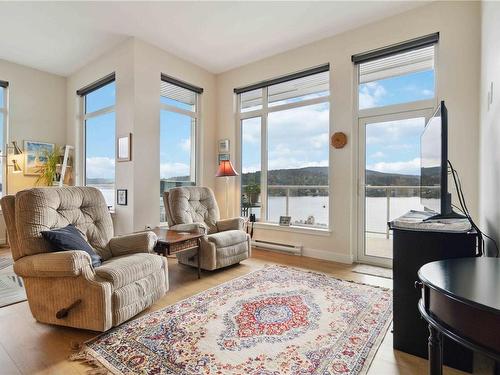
<point x="226" y="169"/>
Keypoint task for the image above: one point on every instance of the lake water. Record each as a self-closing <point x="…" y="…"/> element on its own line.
<point x="300" y="208"/>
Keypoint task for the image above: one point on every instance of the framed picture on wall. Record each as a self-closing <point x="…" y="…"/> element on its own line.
<point x="35" y="156"/>
<point x="124" y="148"/>
<point x="223" y="146"/>
<point x="121" y="197"/>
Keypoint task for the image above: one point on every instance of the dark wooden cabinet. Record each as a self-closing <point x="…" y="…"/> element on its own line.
<point x="412" y="249"/>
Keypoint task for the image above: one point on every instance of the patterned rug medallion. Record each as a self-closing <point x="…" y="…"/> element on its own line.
<point x="274" y="321"/>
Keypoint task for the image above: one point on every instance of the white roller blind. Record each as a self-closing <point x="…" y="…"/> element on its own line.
<point x="296" y="88"/>
<point x="396" y="65"/>
<point x="179" y="94"/>
<point x="251" y="99"/>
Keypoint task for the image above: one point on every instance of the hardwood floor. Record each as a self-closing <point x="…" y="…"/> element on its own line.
<point x="28" y="347"/>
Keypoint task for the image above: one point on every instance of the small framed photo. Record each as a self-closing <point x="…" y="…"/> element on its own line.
<point x="285" y="221"/>
<point x="223" y="157"/>
<point x="121" y="197"/>
<point x="223" y="146"/>
<point x="124" y="148"/>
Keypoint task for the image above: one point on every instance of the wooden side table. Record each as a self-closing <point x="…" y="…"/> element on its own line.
<point x="171" y="242"/>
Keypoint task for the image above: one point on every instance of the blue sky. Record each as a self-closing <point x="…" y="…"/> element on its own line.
<point x="299" y="137"/>
<point x="100" y="134"/>
<point x="394" y="147"/>
<point x="175" y="137"/>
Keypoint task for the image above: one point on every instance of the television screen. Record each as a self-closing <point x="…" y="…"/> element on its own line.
<point x="433" y="159"/>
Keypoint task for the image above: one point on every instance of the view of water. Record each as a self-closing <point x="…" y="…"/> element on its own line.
<point x="376" y="210"/>
<point x="300" y="208"/>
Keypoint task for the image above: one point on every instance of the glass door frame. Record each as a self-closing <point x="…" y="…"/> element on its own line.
<point x="361" y="226"/>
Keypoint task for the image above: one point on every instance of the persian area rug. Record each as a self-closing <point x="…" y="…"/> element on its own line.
<point x="274" y="321"/>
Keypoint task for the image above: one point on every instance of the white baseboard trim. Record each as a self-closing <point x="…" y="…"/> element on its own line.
<point x="318" y="254"/>
<point x="327" y="255"/>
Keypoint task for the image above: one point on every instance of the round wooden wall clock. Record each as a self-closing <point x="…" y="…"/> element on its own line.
<point x="339" y="140"/>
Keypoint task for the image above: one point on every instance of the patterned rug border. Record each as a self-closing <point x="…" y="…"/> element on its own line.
<point x="100" y="366"/>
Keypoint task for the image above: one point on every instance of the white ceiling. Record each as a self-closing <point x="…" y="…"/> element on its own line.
<point x="61" y="37"/>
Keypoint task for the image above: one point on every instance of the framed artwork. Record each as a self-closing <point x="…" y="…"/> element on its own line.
<point x="124" y="148"/>
<point x="223" y="146"/>
<point x="121" y="197"/>
<point x="35" y="156"/>
<point x="285" y="220"/>
<point x="223" y="157"/>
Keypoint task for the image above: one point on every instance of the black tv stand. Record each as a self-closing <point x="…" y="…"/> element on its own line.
<point x="413" y="246"/>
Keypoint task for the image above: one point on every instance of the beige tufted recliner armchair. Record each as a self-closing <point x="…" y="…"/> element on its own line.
<point x="130" y="279"/>
<point x="194" y="209"/>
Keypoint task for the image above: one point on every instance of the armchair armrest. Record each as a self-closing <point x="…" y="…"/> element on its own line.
<point x="58" y="264"/>
<point x="143" y="242"/>
<point x="230" y="224"/>
<point x="191" y="228"/>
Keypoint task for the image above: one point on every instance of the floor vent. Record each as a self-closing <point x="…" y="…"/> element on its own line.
<point x="268" y="245"/>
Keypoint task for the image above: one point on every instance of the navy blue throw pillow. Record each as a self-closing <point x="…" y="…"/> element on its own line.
<point x="69" y="238"/>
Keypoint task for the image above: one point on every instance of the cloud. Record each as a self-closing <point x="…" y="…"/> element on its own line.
<point x="174" y="169"/>
<point x="394" y="132"/>
<point x="377" y="155"/>
<point x="100" y="167"/>
<point x="297" y="138"/>
<point x="427" y="92"/>
<point x="403" y="167"/>
<point x="371" y="94"/>
<point x="185" y="144"/>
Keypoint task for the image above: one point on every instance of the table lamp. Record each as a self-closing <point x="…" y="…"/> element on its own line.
<point x="226" y="170"/>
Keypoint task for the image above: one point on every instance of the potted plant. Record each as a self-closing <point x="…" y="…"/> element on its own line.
<point x="48" y="172"/>
<point x="253" y="192"/>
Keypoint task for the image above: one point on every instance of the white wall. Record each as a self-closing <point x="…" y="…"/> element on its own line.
<point x="37" y="111"/>
<point x="457" y="82"/>
<point x="138" y="67"/>
<point x="490" y="122"/>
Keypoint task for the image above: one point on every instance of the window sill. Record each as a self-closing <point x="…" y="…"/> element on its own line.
<point x="294" y="229"/>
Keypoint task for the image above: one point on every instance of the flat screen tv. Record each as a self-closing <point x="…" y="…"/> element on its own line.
<point x="434" y="194"/>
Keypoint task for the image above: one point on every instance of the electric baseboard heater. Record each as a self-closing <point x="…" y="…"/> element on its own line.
<point x="268" y="245"/>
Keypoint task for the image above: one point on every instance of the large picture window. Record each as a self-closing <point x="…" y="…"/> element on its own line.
<point x="99" y="136"/>
<point x="179" y="119"/>
<point x="284" y="127"/>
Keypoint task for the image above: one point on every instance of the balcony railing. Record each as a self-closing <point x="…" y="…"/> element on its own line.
<point x="372" y="191"/>
<point x="387" y="192"/>
<point x="287" y="191"/>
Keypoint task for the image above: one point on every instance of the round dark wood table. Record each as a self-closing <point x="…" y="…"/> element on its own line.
<point x="461" y="300"/>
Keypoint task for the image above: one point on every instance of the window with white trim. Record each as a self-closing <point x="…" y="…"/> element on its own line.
<point x="284" y="143"/>
<point x="99" y="137"/>
<point x="179" y="119"/>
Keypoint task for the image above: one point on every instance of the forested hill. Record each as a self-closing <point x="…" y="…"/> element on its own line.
<point x="319" y="176"/>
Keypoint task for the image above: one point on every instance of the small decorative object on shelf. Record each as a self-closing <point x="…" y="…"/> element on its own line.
<point x="124" y="148"/>
<point x="121" y="197"/>
<point x="339" y="140"/>
<point x="285" y="221"/>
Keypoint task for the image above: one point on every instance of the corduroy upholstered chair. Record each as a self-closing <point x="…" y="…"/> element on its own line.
<point x="194" y="209"/>
<point x="130" y="279"/>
